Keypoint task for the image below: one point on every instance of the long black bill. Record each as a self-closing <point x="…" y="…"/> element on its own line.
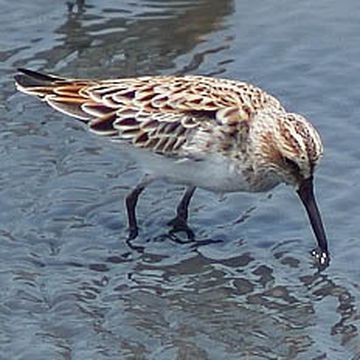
<point x="306" y="193"/>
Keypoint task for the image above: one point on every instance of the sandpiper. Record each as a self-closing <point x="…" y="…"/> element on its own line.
<point x="217" y="134"/>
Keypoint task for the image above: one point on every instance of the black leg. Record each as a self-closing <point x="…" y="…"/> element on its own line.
<point x="182" y="209"/>
<point x="179" y="223"/>
<point x="131" y="201"/>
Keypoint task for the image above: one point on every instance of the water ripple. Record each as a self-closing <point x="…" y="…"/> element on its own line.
<point x="72" y="287"/>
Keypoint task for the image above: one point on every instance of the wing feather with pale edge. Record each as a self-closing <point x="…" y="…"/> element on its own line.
<point x="160" y="113"/>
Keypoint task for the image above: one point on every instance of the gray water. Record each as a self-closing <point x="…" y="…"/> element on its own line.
<point x="71" y="288"/>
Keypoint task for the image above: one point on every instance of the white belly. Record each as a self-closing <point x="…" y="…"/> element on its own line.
<point x="215" y="173"/>
<point x="211" y="174"/>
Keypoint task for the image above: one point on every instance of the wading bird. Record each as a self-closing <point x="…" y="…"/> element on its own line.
<point x="216" y="134"/>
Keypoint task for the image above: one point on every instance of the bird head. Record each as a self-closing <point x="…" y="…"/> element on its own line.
<point x="289" y="146"/>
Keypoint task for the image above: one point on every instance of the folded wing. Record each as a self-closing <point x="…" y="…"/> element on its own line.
<point x="162" y="113"/>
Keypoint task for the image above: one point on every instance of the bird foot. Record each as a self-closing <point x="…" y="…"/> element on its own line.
<point x="133" y="233"/>
<point x="180" y="225"/>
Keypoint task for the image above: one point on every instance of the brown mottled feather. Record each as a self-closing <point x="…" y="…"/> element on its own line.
<point x="158" y="113"/>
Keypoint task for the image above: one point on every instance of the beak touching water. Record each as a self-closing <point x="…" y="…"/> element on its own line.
<point x="306" y="194"/>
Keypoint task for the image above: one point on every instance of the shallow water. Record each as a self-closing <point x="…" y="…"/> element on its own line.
<point x="248" y="289"/>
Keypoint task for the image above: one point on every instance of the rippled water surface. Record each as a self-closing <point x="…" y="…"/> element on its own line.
<point x="71" y="288"/>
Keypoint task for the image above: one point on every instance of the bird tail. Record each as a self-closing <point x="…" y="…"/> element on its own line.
<point x="36" y="83"/>
<point x="65" y="95"/>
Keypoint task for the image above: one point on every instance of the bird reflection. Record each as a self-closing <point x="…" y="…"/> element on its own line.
<point x="128" y="40"/>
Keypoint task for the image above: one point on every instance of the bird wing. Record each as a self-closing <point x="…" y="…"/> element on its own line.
<point x="166" y="114"/>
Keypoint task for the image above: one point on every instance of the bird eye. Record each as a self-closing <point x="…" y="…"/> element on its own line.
<point x="292" y="164"/>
